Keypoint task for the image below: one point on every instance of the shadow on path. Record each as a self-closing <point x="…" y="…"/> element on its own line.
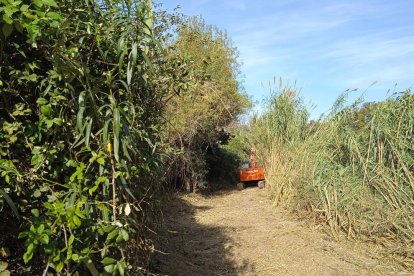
<point x="189" y="247"/>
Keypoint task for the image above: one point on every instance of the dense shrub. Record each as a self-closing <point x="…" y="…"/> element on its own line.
<point x="82" y="86"/>
<point x="199" y="118"/>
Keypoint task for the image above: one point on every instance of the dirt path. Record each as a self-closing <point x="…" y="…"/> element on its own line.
<point x="239" y="233"/>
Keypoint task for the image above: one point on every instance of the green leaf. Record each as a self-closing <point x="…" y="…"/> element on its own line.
<point x="117" y="127"/>
<point x="44" y="188"/>
<point x="109" y="268"/>
<point x="88" y="132"/>
<point x="45" y="110"/>
<point x="16" y="3"/>
<point x="126" y="188"/>
<point x="54" y="15"/>
<point x="49" y="123"/>
<point x="117" y="121"/>
<point x="125" y="234"/>
<point x="79" y="117"/>
<point x="129" y="73"/>
<point x="75" y="257"/>
<point x="71" y="239"/>
<point x="23" y="235"/>
<point x="24" y="8"/>
<point x="58" y="121"/>
<point x="78" y="174"/>
<point x="28" y="255"/>
<point x="148" y="62"/>
<point x="5" y="273"/>
<point x="40" y="229"/>
<point x="76" y="221"/>
<point x="59" y="267"/>
<point x="50" y="3"/>
<point x="93" y="189"/>
<point x="38" y="3"/>
<point x="79" y="213"/>
<point x="134" y="52"/>
<point x="108" y="261"/>
<point x="42" y="101"/>
<point x="7" y="30"/>
<point x="116" y="148"/>
<point x="105" y="132"/>
<point x="97" y="182"/>
<point x="121" y="268"/>
<point x="3" y="266"/>
<point x="56" y="258"/>
<point x="119" y="238"/>
<point x="44" y="239"/>
<point x="37" y="158"/>
<point x="91" y="267"/>
<point x="7" y="18"/>
<point x="108" y="228"/>
<point x="18" y="26"/>
<point x="112" y="235"/>
<point x="37" y="194"/>
<point x="101" y="161"/>
<point x="125" y="149"/>
<point x="10" y="203"/>
<point x="35" y="212"/>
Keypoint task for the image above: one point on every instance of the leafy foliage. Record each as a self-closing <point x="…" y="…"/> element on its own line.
<point x="82" y="86"/>
<point x="213" y="101"/>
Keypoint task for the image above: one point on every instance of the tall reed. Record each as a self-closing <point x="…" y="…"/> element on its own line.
<point x="351" y="170"/>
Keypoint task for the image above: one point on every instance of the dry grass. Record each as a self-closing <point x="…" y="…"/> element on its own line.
<point x="239" y="233"/>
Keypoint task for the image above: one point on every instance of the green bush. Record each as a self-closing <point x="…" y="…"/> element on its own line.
<point x="82" y="87"/>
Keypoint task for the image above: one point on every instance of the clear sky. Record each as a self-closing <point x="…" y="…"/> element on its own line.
<point x="326" y="46"/>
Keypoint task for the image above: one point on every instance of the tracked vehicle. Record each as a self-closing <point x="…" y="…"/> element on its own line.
<point x="250" y="173"/>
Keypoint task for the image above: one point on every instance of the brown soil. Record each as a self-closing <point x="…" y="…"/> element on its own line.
<point x="239" y="233"/>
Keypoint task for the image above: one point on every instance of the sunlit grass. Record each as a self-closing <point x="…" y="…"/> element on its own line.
<point x="351" y="170"/>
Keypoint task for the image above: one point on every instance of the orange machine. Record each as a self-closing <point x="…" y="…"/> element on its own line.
<point x="252" y="173"/>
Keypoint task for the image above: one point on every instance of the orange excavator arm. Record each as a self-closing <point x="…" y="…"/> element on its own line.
<point x="253" y="157"/>
<point x="253" y="173"/>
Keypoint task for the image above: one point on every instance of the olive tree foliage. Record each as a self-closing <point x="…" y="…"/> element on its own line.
<point x="214" y="98"/>
<point x="83" y="86"/>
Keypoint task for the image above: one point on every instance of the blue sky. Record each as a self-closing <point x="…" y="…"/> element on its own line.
<point x="325" y="46"/>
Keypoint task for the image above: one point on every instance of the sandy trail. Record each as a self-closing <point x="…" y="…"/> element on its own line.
<point x="239" y="233"/>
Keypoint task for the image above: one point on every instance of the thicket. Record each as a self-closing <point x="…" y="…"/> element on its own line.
<point x="199" y="118"/>
<point x="352" y="170"/>
<point x="87" y="91"/>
